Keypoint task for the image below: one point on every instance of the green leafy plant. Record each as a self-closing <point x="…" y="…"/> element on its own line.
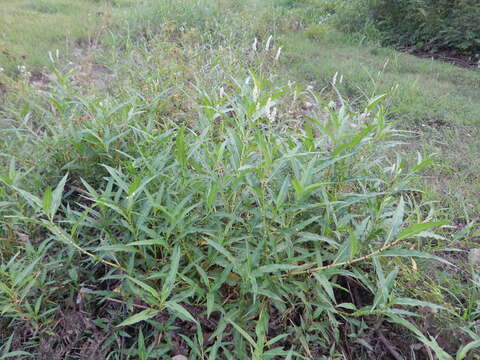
<point x="277" y="214"/>
<point x="200" y="207"/>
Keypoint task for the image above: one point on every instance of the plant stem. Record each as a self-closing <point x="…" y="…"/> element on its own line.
<point x="347" y="263"/>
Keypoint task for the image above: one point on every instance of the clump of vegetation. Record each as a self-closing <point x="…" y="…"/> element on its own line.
<point x="432" y="25"/>
<point x="204" y="204"/>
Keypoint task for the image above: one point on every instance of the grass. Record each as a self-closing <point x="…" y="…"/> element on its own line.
<point x="436" y="100"/>
<point x="224" y="197"/>
<point x="429" y="92"/>
<point x="30" y="29"/>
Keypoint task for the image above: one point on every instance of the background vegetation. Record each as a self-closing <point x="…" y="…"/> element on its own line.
<point x="239" y="180"/>
<point x="432" y="25"/>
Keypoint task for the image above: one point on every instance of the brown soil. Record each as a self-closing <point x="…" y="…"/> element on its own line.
<point x="3" y="90"/>
<point x="462" y="60"/>
<point x="76" y="334"/>
<point x="40" y="78"/>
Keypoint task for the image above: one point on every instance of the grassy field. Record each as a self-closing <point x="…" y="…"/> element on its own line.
<point x="30" y="29"/>
<point x="439" y="102"/>
<point x="234" y="180"/>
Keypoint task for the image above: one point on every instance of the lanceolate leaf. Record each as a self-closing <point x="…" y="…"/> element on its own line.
<point x="172" y="274"/>
<point x="178" y="309"/>
<point x="413" y="253"/>
<point x="243" y="333"/>
<point x="47" y="201"/>
<point x="32" y="200"/>
<point x="145" y="287"/>
<point x="274" y="268"/>
<point x="415" y="302"/>
<point x="57" y="195"/>
<point x="221" y="250"/>
<point x="418" y="228"/>
<point x="141" y="316"/>
<point x="397" y="221"/>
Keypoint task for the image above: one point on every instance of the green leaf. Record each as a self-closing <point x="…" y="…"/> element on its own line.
<point x="148" y="242"/>
<point x="7" y="180"/>
<point x="47" y="201"/>
<point x="464" y="350"/>
<point x="306" y="236"/>
<point x="270" y="294"/>
<point x="423" y="164"/>
<point x="26" y="272"/>
<point x="418" y="228"/>
<point x="117" y="176"/>
<point x="57" y="195"/>
<point x="221" y="250"/>
<point x="354" y="247"/>
<point x="138" y="186"/>
<point x="344" y="253"/>
<point x="15" y="354"/>
<point x="212" y="194"/>
<point x="413" y="253"/>
<point x="375" y="101"/>
<point x="348" y="306"/>
<point x="181" y="147"/>
<point x="172" y="274"/>
<point x="397" y="221"/>
<point x="327" y="286"/>
<point x="116" y="248"/>
<point x="146" y="287"/>
<point x="141" y="316"/>
<point x="298" y="227"/>
<point x="214" y="350"/>
<point x="210" y="302"/>
<point x="31" y="199"/>
<point x="298" y="187"/>
<point x="282" y="194"/>
<point x="276" y="339"/>
<point x="354" y="142"/>
<point x="274" y="268"/>
<point x="390" y="280"/>
<point x="243" y="333"/>
<point x="180" y="311"/>
<point x="134" y="186"/>
<point x="261" y="328"/>
<point x="415" y="302"/>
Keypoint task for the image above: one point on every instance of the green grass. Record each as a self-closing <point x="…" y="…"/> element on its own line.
<point x="222" y="200"/>
<point x="429" y="92"/>
<point x="438" y="101"/>
<point x="30" y="29"/>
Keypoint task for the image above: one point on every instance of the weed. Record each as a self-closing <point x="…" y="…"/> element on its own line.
<point x="204" y="205"/>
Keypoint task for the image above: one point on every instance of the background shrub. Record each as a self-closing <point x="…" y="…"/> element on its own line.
<point x="432" y="24"/>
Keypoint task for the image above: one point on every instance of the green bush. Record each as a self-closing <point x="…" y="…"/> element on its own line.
<point x="432" y="24"/>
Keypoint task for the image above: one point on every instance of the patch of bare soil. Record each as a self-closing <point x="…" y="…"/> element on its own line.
<point x="87" y="73"/>
<point x="40" y="78"/>
<point x="463" y="60"/>
<point x="91" y="74"/>
<point x="75" y="335"/>
<point x="87" y="43"/>
<point x="3" y="91"/>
